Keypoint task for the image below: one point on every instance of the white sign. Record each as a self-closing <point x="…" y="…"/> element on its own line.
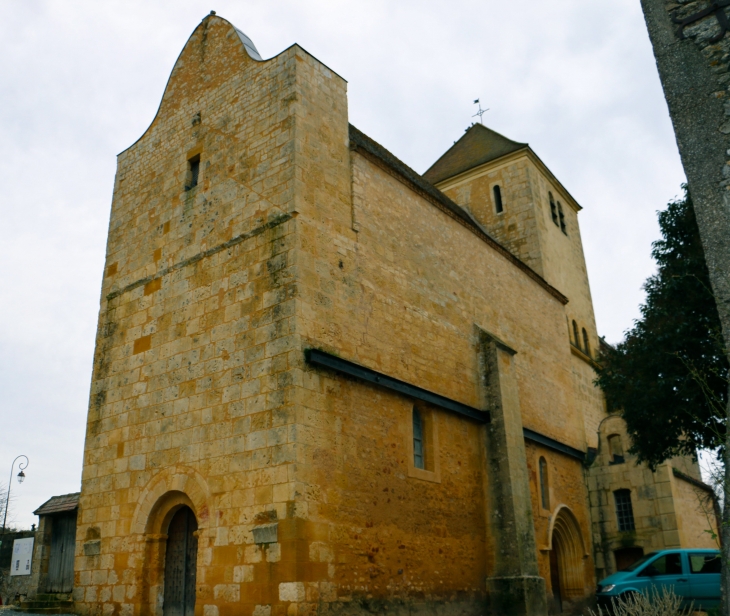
<point x="22" y="556"/>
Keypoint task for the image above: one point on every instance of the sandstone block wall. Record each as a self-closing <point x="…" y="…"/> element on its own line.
<point x="191" y="394"/>
<point x="402" y="295"/>
<point x="302" y="482"/>
<point x="526" y="227"/>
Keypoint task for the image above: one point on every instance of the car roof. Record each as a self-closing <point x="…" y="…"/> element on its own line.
<point x="693" y="550"/>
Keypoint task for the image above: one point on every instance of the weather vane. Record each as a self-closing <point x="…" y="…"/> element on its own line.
<point x="481" y="111"/>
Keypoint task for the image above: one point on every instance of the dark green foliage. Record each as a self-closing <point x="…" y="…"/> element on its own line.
<point x="669" y="376"/>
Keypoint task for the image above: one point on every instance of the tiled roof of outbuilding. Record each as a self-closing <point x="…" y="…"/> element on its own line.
<point x="59" y="504"/>
<point x="477" y="146"/>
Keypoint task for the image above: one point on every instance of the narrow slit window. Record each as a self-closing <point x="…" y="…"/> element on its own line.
<point x="624" y="510"/>
<point x="419" y="459"/>
<point x="586" y="343"/>
<point x="544" y="486"/>
<point x="553" y="210"/>
<point x="498" y="199"/>
<point x="576" y="337"/>
<point x="193" y="172"/>
<point x="561" y="216"/>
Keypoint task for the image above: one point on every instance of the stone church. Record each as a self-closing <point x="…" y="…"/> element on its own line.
<point x="326" y="384"/>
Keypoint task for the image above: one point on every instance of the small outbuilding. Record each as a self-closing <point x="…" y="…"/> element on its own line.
<point x="53" y="558"/>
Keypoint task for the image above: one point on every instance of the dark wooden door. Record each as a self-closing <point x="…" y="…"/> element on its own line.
<point x="626" y="557"/>
<point x="61" y="558"/>
<point x="181" y="555"/>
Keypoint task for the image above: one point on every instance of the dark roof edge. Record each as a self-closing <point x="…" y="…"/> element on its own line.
<point x="691" y="480"/>
<point x="375" y="152"/>
<point x="67" y="502"/>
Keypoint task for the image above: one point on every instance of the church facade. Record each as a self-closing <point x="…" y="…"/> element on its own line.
<point x="326" y="384"/>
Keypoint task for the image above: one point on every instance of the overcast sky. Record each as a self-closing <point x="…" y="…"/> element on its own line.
<point x="80" y="80"/>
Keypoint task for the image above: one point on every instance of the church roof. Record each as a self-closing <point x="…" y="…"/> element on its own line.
<point x="360" y="142"/>
<point x="477" y="146"/>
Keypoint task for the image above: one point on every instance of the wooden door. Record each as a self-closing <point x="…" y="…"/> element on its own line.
<point x="181" y="554"/>
<point x="626" y="557"/>
<point x="61" y="558"/>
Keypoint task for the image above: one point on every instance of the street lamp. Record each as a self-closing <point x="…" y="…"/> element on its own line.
<point x="21" y="477"/>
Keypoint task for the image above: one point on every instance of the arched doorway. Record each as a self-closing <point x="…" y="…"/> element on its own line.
<point x="181" y="553"/>
<point x="567" y="557"/>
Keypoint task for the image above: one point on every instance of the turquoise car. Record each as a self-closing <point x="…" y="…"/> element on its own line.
<point x="692" y="574"/>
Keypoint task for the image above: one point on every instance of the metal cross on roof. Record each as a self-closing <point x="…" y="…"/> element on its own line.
<point x="718" y="8"/>
<point x="481" y="111"/>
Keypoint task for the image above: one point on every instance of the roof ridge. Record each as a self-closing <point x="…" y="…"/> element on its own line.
<point x="391" y="164"/>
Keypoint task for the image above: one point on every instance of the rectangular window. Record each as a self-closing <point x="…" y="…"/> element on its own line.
<point x="624" y="510"/>
<point x="419" y="459"/>
<point x="553" y="209"/>
<point x="498" y="199"/>
<point x="544" y="494"/>
<point x="193" y="172"/>
<point x="563" y="228"/>
<point x="704" y="563"/>
<point x="669" y="564"/>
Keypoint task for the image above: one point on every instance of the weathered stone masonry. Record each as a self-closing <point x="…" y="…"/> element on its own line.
<point x="301" y="234"/>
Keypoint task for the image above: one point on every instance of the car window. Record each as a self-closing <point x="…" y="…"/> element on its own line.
<point x="704" y="563"/>
<point x="669" y="564"/>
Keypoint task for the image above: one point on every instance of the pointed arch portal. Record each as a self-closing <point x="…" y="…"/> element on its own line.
<point x="567" y="557"/>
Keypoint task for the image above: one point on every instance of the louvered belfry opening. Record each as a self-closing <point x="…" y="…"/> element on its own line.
<point x="180" y="564"/>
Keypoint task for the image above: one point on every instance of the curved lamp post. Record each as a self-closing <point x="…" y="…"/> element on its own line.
<point x="21" y="477"/>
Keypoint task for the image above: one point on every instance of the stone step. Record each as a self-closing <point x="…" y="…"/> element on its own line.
<point x="48" y="604"/>
<point x="48" y="610"/>
<point x="53" y="596"/>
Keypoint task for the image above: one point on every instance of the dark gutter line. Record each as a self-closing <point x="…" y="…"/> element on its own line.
<point x="551" y="443"/>
<point x="315" y="357"/>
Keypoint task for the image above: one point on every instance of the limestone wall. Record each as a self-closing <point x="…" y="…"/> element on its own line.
<point x="566" y="488"/>
<point x="696" y="519"/>
<point x="402" y="295"/>
<point x="191" y="391"/>
<point x="669" y="512"/>
<point x="516" y="227"/>
<point x="301" y="481"/>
